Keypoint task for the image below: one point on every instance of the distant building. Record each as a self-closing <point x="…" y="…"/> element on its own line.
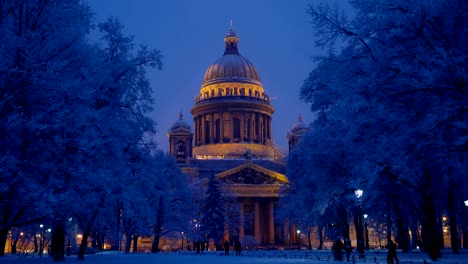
<point x="232" y="138"/>
<point x="297" y="130"/>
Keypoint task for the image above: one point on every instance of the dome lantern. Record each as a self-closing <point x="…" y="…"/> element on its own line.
<point x="231" y="41"/>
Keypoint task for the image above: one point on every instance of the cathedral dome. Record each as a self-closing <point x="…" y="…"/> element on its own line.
<point x="180" y="123"/>
<point x="231" y="67"/>
<point x="299" y="126"/>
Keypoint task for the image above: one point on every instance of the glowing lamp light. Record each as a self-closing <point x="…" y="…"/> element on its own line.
<point x="79" y="236"/>
<point x="298" y="231"/>
<point x="41" y="225"/>
<point x="358" y="193"/>
<point x="365" y="216"/>
<point x="466" y="202"/>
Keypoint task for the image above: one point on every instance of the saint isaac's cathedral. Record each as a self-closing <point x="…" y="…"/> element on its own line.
<point x="232" y="138"/>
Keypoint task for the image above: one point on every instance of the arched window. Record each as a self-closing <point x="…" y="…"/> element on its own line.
<point x="235" y="91"/>
<point x="212" y="93"/>
<point x="220" y="91"/>
<point x="242" y="91"/>
<point x="180" y="150"/>
<point x="236" y="129"/>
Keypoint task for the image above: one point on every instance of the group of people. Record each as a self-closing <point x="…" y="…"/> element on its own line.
<point x="338" y="247"/>
<point x="237" y="248"/>
<point x="200" y="247"/>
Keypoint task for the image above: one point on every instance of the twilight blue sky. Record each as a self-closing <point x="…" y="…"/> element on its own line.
<point x="275" y="35"/>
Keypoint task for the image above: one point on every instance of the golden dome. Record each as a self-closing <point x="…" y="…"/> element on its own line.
<point x="231" y="67"/>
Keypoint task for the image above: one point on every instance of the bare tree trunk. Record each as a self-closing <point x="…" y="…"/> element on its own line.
<point x="135" y="243"/>
<point x="87" y="231"/>
<point x="452" y="215"/>
<point x="402" y="228"/>
<point x="158" y="227"/>
<point x="320" y="237"/>
<point x="128" y="242"/>
<point x="430" y="234"/>
<point x="3" y="240"/>
<point x="58" y="240"/>
<point x="389" y="219"/>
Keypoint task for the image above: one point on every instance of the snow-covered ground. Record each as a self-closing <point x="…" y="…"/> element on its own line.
<point x="254" y="257"/>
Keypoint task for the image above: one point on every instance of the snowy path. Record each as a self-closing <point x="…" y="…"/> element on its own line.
<point x="250" y="257"/>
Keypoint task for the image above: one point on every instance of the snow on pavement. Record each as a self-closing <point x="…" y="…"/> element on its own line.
<point x="253" y="257"/>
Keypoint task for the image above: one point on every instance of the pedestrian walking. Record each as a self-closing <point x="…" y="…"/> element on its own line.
<point x="226" y="248"/>
<point x="392" y="253"/>
<point x="202" y="248"/>
<point x="337" y="250"/>
<point x="348" y="248"/>
<point x="237" y="247"/>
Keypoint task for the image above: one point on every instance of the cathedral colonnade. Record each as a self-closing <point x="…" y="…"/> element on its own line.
<point x="255" y="219"/>
<point x="232" y="127"/>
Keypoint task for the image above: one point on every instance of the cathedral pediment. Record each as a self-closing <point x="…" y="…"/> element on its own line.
<point x="181" y="130"/>
<point x="250" y="173"/>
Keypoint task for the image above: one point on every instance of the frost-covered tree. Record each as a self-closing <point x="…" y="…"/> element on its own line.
<point x="170" y="201"/>
<point x="212" y="222"/>
<point x="39" y="99"/>
<point x="390" y="98"/>
<point x="73" y="115"/>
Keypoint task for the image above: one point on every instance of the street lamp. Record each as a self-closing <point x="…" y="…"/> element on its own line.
<point x="41" y="241"/>
<point x="465" y="234"/>
<point x="298" y="237"/>
<point x="358" y="225"/>
<point x="182" y="233"/>
<point x="366" y="230"/>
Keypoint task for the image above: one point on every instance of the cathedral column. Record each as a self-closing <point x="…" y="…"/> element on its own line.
<point x="242" y="134"/>
<point x="195" y="124"/>
<point x="212" y="124"/>
<point x="269" y="127"/>
<point x="271" y="222"/>
<point x="241" y="222"/>
<point x="257" y="231"/>
<point x="221" y="127"/>
<point x="260" y="126"/>
<point x="203" y="130"/>
<point x="198" y="130"/>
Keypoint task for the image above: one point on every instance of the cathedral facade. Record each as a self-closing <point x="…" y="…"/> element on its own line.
<point x="232" y="138"/>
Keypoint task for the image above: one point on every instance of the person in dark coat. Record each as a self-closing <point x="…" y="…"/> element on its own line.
<point x="202" y="248"/>
<point x="348" y="248"/>
<point x="237" y="247"/>
<point x="392" y="253"/>
<point x="197" y="246"/>
<point x="226" y="248"/>
<point x="337" y="248"/>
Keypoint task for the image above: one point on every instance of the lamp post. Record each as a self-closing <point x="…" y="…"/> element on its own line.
<point x="298" y="237"/>
<point x="41" y="240"/>
<point x="358" y="225"/>
<point x="465" y="234"/>
<point x="182" y="234"/>
<point x="367" y="231"/>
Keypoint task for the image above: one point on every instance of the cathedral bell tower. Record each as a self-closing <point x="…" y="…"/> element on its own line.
<point x="180" y="140"/>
